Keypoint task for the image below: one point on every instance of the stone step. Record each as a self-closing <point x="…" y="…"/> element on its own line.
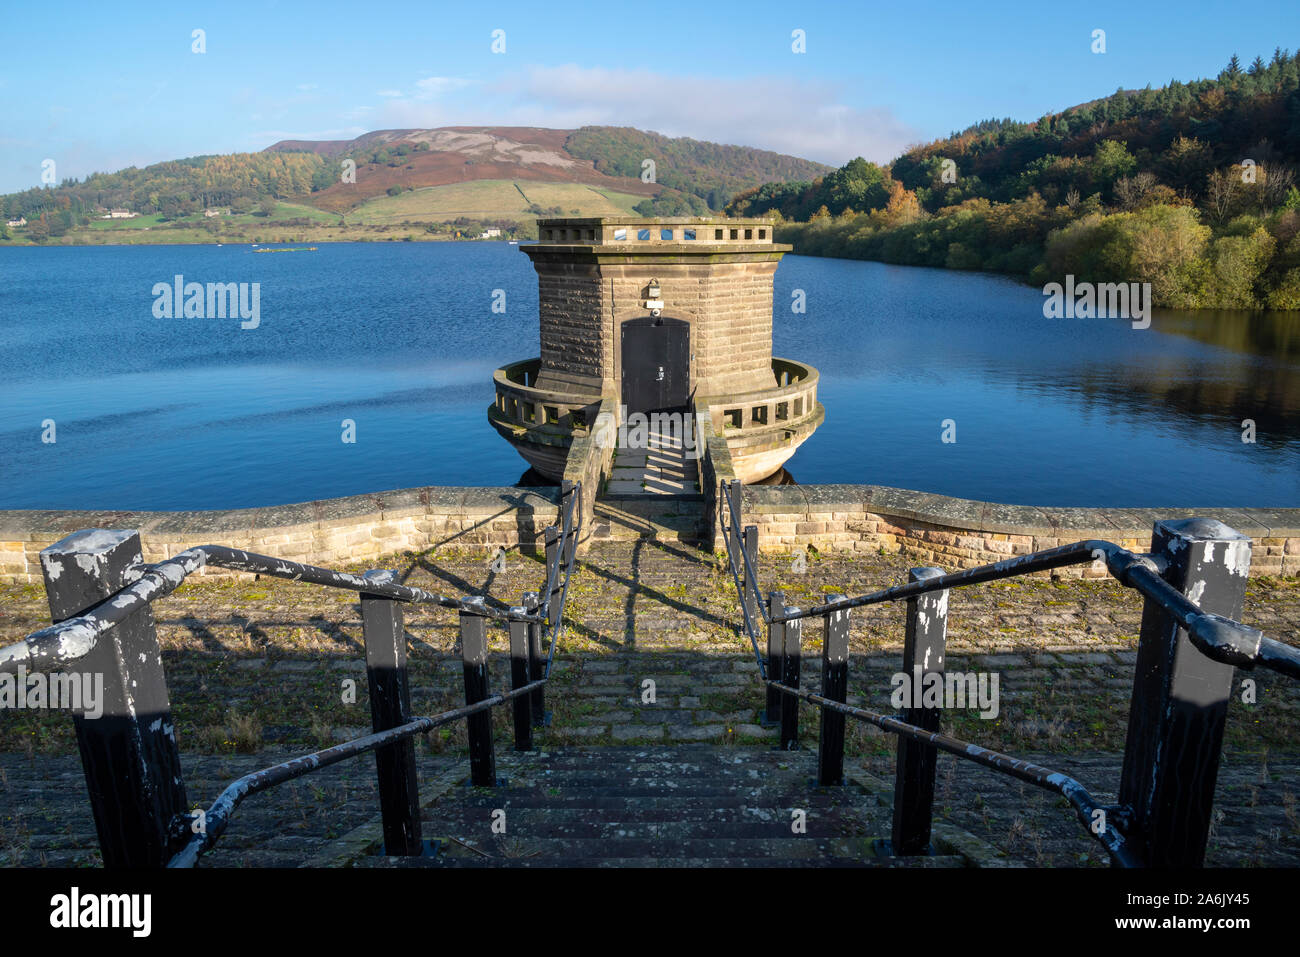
<point x="697" y="792"/>
<point x="475" y="861"/>
<point x="669" y="824"/>
<point x="627" y="517"/>
<point x="776" y="850"/>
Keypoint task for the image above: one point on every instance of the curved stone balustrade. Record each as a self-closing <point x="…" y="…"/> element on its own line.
<point x="520" y="403"/>
<point x="789" y="403"/>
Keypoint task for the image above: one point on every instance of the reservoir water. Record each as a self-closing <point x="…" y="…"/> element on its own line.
<point x="401" y="339"/>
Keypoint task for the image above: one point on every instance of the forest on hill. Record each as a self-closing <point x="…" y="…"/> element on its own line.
<point x="708" y="175"/>
<point x="1191" y="187"/>
<point x="691" y="176"/>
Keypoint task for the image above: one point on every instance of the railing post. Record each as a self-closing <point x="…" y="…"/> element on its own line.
<point x="536" y="662"/>
<point x="520" y="673"/>
<point x="553" y="561"/>
<point x="1180" y="697"/>
<point x="473" y="650"/>
<point x="775" y="652"/>
<point x="568" y="492"/>
<point x="835" y="686"/>
<point x="791" y="659"/>
<point x="129" y="754"/>
<point x="923" y="651"/>
<point x="750" y="596"/>
<point x="390" y="707"/>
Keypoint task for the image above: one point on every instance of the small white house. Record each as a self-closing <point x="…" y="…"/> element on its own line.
<point x="20" y="221"/>
<point x="490" y="233"/>
<point x="121" y="214"/>
<point x="209" y="213"/>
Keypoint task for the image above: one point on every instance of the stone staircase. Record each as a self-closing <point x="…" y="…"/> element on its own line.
<point x="662" y="468"/>
<point x="684" y="806"/>
<point x="627" y="518"/>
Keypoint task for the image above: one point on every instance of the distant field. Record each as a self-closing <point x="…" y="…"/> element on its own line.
<point x="139" y="222"/>
<point x="492" y="199"/>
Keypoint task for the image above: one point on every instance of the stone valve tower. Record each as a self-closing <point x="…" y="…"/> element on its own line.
<point x="659" y="315"/>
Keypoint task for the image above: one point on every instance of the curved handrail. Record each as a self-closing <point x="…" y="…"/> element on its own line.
<point x="1219" y="638"/>
<point x="74" y="638"/>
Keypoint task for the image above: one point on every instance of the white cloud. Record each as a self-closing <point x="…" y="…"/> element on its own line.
<point x="265" y="138"/>
<point x="434" y="86"/>
<point x="393" y="93"/>
<point x="799" y="117"/>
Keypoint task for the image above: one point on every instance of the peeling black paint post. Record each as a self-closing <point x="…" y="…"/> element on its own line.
<point x="536" y="662"/>
<point x="129" y="753"/>
<point x="750" y="596"/>
<point x="1180" y="697"/>
<point x="835" y="686"/>
<point x="390" y="707"/>
<point x="520" y="673"/>
<point x="791" y="661"/>
<point x="473" y="650"/>
<point x="552" y="539"/>
<point x="775" y="652"/>
<point x="923" y="648"/>
<point x="570" y="500"/>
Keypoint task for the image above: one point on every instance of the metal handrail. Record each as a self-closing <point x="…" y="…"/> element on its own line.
<point x="217" y="817"/>
<point x="74" y="638"/>
<point x="1078" y="796"/>
<point x="1219" y="638"/>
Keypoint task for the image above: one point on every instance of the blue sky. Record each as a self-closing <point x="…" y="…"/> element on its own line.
<point x="100" y="86"/>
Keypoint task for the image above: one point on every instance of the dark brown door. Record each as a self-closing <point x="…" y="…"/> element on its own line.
<point x="656" y="364"/>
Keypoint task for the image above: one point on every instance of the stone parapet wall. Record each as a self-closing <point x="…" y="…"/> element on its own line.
<point x="934" y="529"/>
<point x="954" y="533"/>
<point x="332" y="532"/>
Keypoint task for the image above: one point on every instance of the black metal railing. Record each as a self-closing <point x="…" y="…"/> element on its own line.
<point x="1193" y="583"/>
<point x="101" y="593"/>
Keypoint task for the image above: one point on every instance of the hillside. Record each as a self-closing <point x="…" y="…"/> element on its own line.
<point x="454" y="178"/>
<point x="1191" y="187"/>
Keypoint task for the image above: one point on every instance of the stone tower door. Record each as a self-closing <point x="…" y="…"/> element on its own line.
<point x="656" y="364"/>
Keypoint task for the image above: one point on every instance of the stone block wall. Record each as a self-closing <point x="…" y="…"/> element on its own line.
<point x="332" y="532"/>
<point x="953" y="533"/>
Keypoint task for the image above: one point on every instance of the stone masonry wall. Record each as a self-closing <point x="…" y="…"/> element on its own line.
<point x="954" y="533"/>
<point x="575" y="345"/>
<point x="937" y="530"/>
<point x="728" y="304"/>
<point x="332" y="532"/>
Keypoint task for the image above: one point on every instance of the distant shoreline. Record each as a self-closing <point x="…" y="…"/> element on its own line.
<point x="270" y="235"/>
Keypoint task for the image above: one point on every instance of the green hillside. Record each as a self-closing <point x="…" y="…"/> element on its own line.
<point x="709" y="174"/>
<point x="1191" y="187"/>
<point x="493" y="199"/>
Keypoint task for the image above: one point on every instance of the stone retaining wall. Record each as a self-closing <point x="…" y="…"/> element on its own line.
<point x="948" y="532"/>
<point x="332" y="532"/>
<point x="954" y="533"/>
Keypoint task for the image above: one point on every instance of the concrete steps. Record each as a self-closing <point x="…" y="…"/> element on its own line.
<point x="626" y="518"/>
<point x="684" y="806"/>
<point x="663" y="468"/>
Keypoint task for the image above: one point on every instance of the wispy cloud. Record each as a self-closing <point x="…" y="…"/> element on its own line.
<point x="435" y="86"/>
<point x="804" y="118"/>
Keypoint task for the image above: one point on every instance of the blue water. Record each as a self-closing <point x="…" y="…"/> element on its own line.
<point x="401" y="339"/>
